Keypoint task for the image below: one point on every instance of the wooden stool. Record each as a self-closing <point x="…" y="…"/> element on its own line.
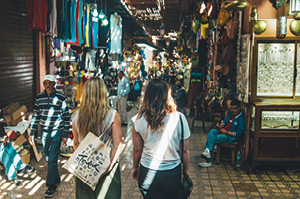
<point x="233" y="147"/>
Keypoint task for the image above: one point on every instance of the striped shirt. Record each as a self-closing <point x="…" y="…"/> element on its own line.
<point x="52" y="112"/>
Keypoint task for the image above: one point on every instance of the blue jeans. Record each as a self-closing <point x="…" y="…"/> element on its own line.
<point x="214" y="137"/>
<point x="11" y="160"/>
<point x="51" y="146"/>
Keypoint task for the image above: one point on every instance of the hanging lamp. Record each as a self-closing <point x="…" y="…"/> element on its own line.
<point x="235" y="5"/>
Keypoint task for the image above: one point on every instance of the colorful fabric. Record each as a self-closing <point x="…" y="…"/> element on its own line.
<point x="87" y="27"/>
<point x="11" y="160"/>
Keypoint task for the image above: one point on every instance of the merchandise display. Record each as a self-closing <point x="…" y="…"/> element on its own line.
<point x="275" y="69"/>
<point x="280" y="120"/>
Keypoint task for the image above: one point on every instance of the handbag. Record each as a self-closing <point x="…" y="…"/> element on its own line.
<point x="91" y="159"/>
<point x="186" y="185"/>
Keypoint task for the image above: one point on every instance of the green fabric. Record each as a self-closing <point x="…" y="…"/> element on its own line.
<point x="109" y="186"/>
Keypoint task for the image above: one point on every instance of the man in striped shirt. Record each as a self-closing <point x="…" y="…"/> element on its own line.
<point x="51" y="111"/>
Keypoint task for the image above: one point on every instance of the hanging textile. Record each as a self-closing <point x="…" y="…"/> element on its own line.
<point x="50" y="9"/>
<point x="83" y="23"/>
<point x="87" y="26"/>
<point x="103" y="34"/>
<point x="95" y="28"/>
<point x="73" y="21"/>
<point x="53" y="19"/>
<point x="37" y="15"/>
<point x="116" y="33"/>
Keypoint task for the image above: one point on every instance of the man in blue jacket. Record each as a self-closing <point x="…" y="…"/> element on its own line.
<point x="230" y="130"/>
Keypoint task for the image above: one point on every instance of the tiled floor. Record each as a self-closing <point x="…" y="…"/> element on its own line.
<point x="219" y="181"/>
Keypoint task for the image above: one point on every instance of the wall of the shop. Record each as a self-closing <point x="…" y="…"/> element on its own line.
<point x="17" y="80"/>
<point x="265" y="10"/>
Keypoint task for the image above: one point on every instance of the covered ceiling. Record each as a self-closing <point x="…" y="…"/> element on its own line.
<point x="144" y="17"/>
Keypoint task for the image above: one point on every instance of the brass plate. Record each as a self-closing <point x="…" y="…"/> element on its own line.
<point x="259" y="27"/>
<point x="295" y="27"/>
<point x="235" y="5"/>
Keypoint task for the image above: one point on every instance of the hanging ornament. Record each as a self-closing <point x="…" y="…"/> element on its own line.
<point x="277" y="3"/>
<point x="235" y="5"/>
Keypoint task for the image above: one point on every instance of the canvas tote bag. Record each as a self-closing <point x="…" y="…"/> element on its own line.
<point x="91" y="159"/>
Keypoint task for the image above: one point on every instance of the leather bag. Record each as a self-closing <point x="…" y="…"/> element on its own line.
<point x="232" y="27"/>
<point x="186" y="185"/>
<point x="223" y="17"/>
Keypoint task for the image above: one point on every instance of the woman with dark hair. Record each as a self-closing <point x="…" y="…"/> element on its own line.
<point x="156" y="136"/>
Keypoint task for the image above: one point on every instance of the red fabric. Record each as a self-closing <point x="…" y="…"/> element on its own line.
<point x="37" y="15"/>
<point x="228" y="125"/>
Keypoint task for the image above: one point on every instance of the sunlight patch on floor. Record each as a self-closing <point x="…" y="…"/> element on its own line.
<point x="31" y="184"/>
<point x="33" y="191"/>
<point x="69" y="178"/>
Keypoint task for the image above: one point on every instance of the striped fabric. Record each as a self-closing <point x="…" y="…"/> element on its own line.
<point x="11" y="160"/>
<point x="52" y="112"/>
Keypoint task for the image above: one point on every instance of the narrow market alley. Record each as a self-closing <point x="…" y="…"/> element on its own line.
<point x="218" y="181"/>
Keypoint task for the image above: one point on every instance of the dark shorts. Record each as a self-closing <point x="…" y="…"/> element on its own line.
<point x="159" y="184"/>
<point x="137" y="93"/>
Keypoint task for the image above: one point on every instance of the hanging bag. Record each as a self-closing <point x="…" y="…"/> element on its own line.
<point x="91" y="159"/>
<point x="186" y="185"/>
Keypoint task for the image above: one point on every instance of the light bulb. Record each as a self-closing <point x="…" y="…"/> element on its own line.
<point x="101" y="15"/>
<point x="95" y="13"/>
<point x="105" y="22"/>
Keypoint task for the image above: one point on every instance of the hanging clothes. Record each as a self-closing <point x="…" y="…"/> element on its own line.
<point x="73" y="20"/>
<point x="83" y="23"/>
<point x="53" y="19"/>
<point x="116" y="33"/>
<point x="95" y="28"/>
<point x="80" y="8"/>
<point x="103" y="34"/>
<point x="59" y="18"/>
<point x="50" y="9"/>
<point x="87" y="26"/>
<point x="90" y="61"/>
<point x="37" y="15"/>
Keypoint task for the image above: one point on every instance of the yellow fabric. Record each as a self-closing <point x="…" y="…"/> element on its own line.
<point x="204" y="28"/>
<point x="87" y="26"/>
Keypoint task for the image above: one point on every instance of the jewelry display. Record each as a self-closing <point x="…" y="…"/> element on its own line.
<point x="275" y="69"/>
<point x="280" y="119"/>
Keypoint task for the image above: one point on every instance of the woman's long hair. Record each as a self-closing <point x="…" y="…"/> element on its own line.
<point x="156" y="105"/>
<point x="93" y="108"/>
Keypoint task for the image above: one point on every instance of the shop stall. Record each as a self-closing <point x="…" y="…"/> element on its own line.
<point x="275" y="105"/>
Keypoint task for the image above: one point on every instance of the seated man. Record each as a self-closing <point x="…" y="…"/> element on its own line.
<point x="229" y="131"/>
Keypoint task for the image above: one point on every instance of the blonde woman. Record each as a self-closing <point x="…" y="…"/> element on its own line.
<point x="94" y="115"/>
<point x="156" y="136"/>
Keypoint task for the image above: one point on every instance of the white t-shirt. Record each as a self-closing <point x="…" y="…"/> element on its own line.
<point x="161" y="149"/>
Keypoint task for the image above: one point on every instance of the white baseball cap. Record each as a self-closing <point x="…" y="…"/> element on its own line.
<point x="49" y="77"/>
